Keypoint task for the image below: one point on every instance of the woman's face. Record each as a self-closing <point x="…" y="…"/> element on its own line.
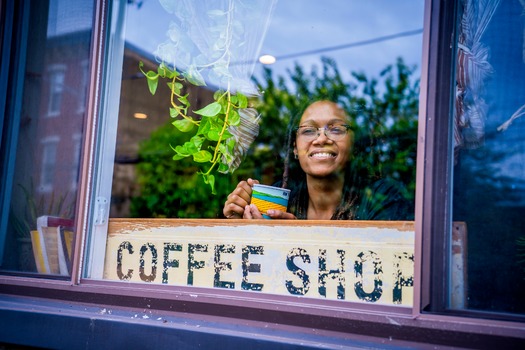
<point x="323" y="156"/>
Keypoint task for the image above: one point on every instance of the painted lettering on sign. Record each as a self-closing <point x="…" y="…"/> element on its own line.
<point x="360" y="273"/>
<point x="362" y="264"/>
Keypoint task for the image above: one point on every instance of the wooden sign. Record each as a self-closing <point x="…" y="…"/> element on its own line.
<point x="365" y="261"/>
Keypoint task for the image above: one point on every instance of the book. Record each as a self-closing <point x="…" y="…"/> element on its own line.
<point x="53" y="245"/>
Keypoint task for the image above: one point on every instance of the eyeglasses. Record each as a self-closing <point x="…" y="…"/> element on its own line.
<point x="333" y="132"/>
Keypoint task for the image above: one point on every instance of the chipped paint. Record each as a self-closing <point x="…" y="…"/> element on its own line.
<point x="363" y="264"/>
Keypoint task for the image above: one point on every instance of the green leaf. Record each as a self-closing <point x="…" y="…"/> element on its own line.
<point x="183" y="125"/>
<point x="176" y="88"/>
<point x="178" y="157"/>
<point x="163" y="70"/>
<point x="204" y="126"/>
<point x="153" y="81"/>
<point x="183" y="150"/>
<point x="234" y="118"/>
<point x="210" y="110"/>
<point x="184" y="100"/>
<point x="223" y="168"/>
<point x="243" y="101"/>
<point x="226" y="135"/>
<point x="218" y="94"/>
<point x="210" y="180"/>
<point x="197" y="141"/>
<point x="202" y="156"/>
<point x="213" y="134"/>
<point x="174" y="112"/>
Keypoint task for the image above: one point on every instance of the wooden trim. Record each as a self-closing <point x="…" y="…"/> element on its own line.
<point x="118" y="225"/>
<point x="89" y="137"/>
<point x="433" y="215"/>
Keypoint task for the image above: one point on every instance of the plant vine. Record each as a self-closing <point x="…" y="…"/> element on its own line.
<point x="212" y="142"/>
<point x="202" y="43"/>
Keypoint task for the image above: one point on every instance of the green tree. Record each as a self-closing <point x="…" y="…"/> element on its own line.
<point x="171" y="188"/>
<point x="384" y="118"/>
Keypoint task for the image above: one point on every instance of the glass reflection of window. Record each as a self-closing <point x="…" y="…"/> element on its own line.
<point x="49" y="156"/>
<point x="75" y="164"/>
<point x="57" y="74"/>
<point x="489" y="153"/>
<point x="82" y="91"/>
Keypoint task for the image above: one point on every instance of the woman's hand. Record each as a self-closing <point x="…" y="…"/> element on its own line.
<point x="252" y="212"/>
<point x="237" y="201"/>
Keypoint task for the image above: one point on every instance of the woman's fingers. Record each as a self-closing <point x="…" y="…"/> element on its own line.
<point x="278" y="214"/>
<point x="237" y="200"/>
<point x="252" y="212"/>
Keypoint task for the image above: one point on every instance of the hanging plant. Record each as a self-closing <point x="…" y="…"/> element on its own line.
<point x="202" y="43"/>
<point x="212" y="142"/>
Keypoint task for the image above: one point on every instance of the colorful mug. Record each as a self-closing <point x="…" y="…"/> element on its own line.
<point x="269" y="197"/>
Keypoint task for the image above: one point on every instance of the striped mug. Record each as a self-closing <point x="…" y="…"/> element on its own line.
<point x="269" y="197"/>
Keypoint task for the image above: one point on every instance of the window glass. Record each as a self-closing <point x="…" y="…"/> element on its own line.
<point x="177" y="70"/>
<point x="48" y="134"/>
<point x="364" y="56"/>
<point x="488" y="240"/>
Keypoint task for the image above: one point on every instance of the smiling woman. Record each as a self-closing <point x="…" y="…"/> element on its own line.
<point x="326" y="184"/>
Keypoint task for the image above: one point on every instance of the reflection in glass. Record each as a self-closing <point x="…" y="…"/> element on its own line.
<point x="44" y="185"/>
<point x="375" y="78"/>
<point x="489" y="170"/>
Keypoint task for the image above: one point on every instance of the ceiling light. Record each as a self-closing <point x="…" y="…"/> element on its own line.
<point x="267" y="59"/>
<point x="140" y="115"/>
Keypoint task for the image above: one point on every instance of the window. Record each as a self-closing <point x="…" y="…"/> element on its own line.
<point x="489" y="154"/>
<point x="148" y="183"/>
<point x="56" y="88"/>
<point x="49" y="163"/>
<point x="84" y="79"/>
<point x="38" y="152"/>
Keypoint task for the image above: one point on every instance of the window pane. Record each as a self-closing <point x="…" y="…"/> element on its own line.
<point x="171" y="67"/>
<point x="488" y="244"/>
<point x="49" y="132"/>
<point x="323" y="51"/>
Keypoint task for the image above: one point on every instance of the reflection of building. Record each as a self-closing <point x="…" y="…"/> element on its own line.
<point x="53" y="122"/>
<point x="61" y="113"/>
<point x="136" y="98"/>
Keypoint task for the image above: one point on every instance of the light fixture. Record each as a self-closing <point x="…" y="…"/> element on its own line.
<point x="140" y="115"/>
<point x="267" y="59"/>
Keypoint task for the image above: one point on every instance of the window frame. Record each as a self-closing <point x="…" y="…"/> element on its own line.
<point x="332" y="318"/>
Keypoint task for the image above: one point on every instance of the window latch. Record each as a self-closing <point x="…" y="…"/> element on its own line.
<point x="101" y="211"/>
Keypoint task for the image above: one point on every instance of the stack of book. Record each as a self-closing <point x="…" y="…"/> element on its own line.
<point x="53" y="245"/>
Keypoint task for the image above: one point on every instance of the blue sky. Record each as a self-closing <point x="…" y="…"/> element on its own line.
<point x="303" y="25"/>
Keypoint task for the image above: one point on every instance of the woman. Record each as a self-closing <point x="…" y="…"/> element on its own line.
<point x="327" y="188"/>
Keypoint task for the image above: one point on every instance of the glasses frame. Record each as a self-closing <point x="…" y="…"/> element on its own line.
<point x="325" y="129"/>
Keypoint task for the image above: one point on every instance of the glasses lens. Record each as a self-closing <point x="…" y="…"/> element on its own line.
<point x="333" y="132"/>
<point x="336" y="132"/>
<point x="308" y="132"/>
